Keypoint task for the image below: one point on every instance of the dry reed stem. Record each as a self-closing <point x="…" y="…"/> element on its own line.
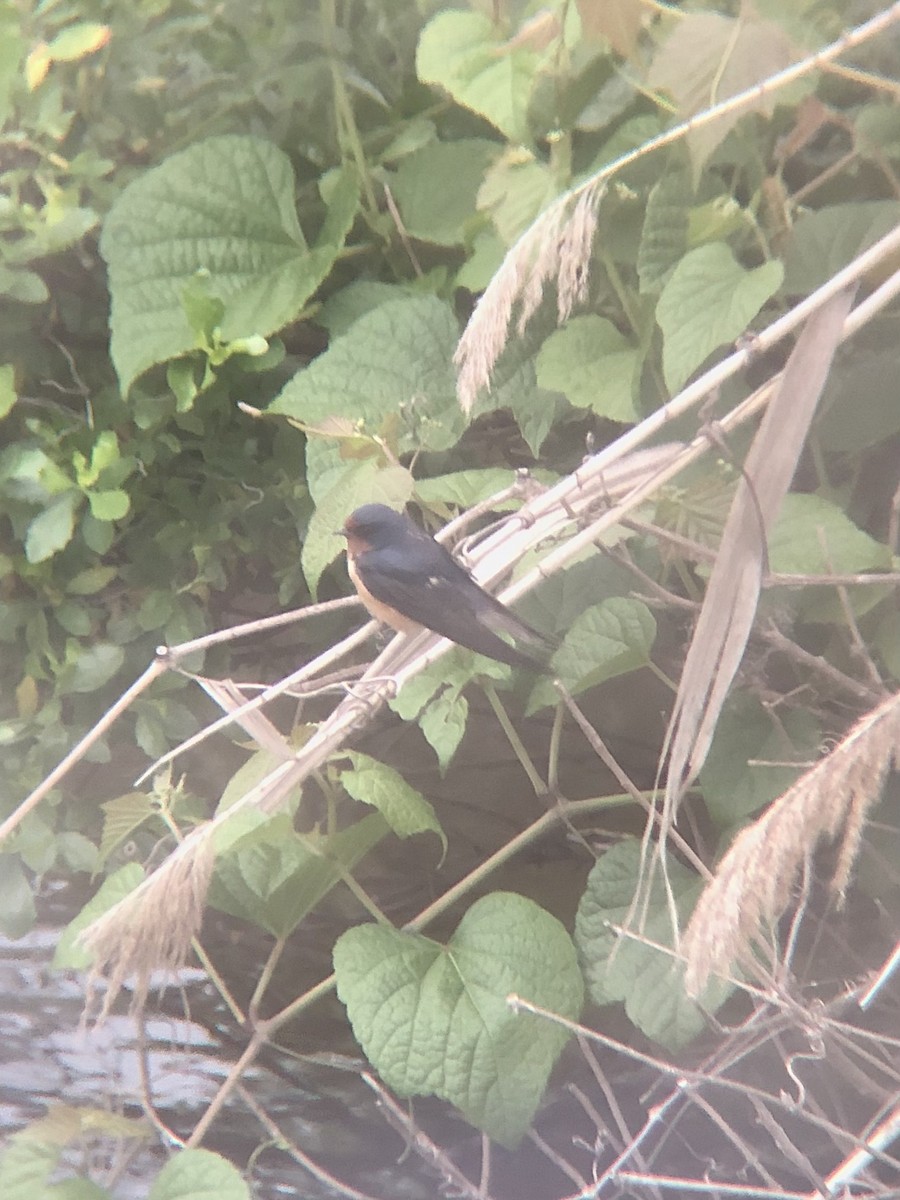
<point x="732" y="595"/>
<point x="753" y="883"/>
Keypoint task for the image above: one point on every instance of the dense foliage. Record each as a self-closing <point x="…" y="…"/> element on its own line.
<point x="238" y="244"/>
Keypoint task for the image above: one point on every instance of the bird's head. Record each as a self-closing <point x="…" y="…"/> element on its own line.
<point x="372" y="527"/>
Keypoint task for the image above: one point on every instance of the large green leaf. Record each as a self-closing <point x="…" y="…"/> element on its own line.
<point x="606" y="640"/>
<point x="435" y="188"/>
<point x="224" y="207"/>
<point x="708" y="301"/>
<point x="813" y="536"/>
<point x="647" y="979"/>
<point x="664" y="238"/>
<point x="749" y="761"/>
<point x="392" y="369"/>
<point x="275" y="876"/>
<point x="823" y="242"/>
<point x="594" y="367"/>
<point x="461" y="52"/>
<point x="434" y="1020"/>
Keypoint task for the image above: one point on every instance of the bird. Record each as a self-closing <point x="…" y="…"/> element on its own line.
<point x="409" y="581"/>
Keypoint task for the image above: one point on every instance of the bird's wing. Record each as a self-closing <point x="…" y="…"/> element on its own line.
<point x="447" y="601"/>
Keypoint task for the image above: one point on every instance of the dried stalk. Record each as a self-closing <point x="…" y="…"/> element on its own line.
<point x="752" y="886"/>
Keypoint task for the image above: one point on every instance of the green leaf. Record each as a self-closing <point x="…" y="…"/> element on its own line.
<point x="812" y="536"/>
<point x="363" y="296"/>
<point x="17" y="911"/>
<point x="121" y="817"/>
<point x="606" y="640"/>
<point x="858" y="407"/>
<point x="90" y="581"/>
<point x="226" y="206"/>
<point x="398" y="357"/>
<point x="360" y="483"/>
<point x="434" y="1020"/>
<point x="749" y="761"/>
<point x="443" y="723"/>
<point x="274" y="876"/>
<point x="25" y="1167"/>
<point x="665" y="233"/>
<point x="109" y="506"/>
<point x="516" y="188"/>
<point x="69" y="952"/>
<point x="199" y="1175"/>
<point x="25" y="286"/>
<point x="7" y="390"/>
<point x="95" y="666"/>
<point x="708" y="301"/>
<point x="460" y="52"/>
<point x="823" y="242"/>
<point x="464" y="489"/>
<point x="594" y="367"/>
<point x="52" y="530"/>
<point x="646" y="979"/>
<point x="205" y="312"/>
<point x="77" y="1189"/>
<point x="436" y="188"/>
<point x="78" y="40"/>
<point x="405" y="810"/>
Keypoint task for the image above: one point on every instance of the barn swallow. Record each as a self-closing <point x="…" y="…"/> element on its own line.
<point x="408" y="580"/>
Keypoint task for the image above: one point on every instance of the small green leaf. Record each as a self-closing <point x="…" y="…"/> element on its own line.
<point x="443" y="723"/>
<point x="69" y="952"/>
<point x="594" y="367"/>
<point x="90" y="581"/>
<point x="204" y="311"/>
<point x="79" y="40"/>
<point x="17" y="911"/>
<point x="708" y="301"/>
<point x="7" y="390"/>
<point x="26" y="287"/>
<point x="109" y="506"/>
<point x="52" y="530"/>
<point x="121" y="817"/>
<point x="199" y="1175"/>
<point x="606" y="640"/>
<point x="405" y="810"/>
<point x="434" y="1020"/>
<point x="648" y="980"/>
<point x="95" y="666"/>
<point x="460" y="52"/>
